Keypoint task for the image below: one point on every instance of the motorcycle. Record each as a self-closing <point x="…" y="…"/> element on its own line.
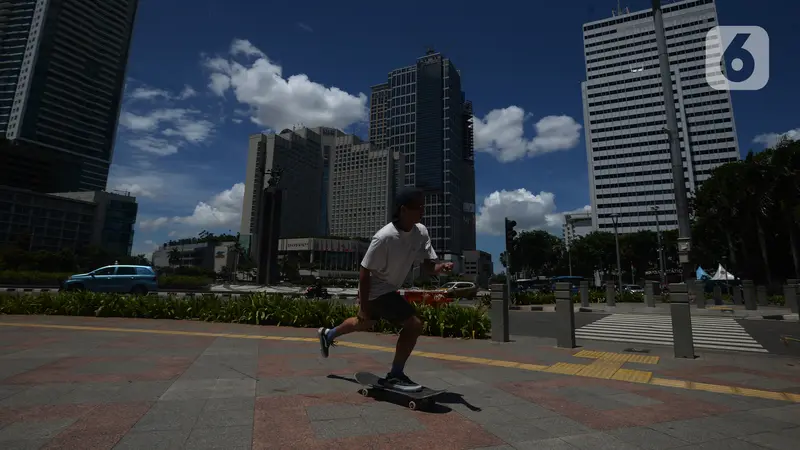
<point x="317" y="292"/>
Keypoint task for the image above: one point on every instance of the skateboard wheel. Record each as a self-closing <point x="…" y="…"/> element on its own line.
<point x="364" y="392"/>
<point x="412" y="405"/>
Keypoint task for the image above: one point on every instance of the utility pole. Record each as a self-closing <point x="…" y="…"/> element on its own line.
<point x="616" y="239"/>
<point x="510" y="235"/>
<point x="681" y="201"/>
<point x="661" y="273"/>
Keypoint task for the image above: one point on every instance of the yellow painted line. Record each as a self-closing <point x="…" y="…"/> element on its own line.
<point x="600" y="369"/>
<point x="565" y="368"/>
<point x="633" y="376"/>
<point x="607" y="365"/>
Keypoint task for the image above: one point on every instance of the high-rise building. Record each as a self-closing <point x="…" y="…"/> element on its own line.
<point x="362" y="185"/>
<point x="328" y="138"/>
<point x="61" y="81"/>
<point x="623" y="105"/>
<point x="296" y="156"/>
<point x="576" y="225"/>
<point x="421" y="114"/>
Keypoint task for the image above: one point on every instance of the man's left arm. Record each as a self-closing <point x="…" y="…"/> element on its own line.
<point x="429" y="266"/>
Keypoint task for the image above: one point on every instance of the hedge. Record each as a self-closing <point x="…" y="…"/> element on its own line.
<point x="31" y="278"/>
<point x="183" y="282"/>
<point x="448" y="320"/>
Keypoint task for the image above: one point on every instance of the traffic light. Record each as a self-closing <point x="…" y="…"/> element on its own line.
<point x="510" y="233"/>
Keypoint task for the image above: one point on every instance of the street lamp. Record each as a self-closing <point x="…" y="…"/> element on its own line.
<point x="661" y="273"/>
<point x="614" y="218"/>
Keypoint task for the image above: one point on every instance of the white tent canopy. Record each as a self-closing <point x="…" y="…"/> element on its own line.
<point x="722" y="274"/>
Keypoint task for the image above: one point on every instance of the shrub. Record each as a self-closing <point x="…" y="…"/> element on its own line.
<point x="448" y="320"/>
<point x="32" y="278"/>
<point x="630" y="297"/>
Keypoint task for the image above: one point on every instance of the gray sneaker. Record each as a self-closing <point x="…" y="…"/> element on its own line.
<point x="325" y="344"/>
<point x="401" y="383"/>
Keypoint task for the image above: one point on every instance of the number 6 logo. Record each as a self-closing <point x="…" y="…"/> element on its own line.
<point x="737" y="58"/>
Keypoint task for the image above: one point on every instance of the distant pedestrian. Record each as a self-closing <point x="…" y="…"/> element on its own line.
<point x="391" y="255"/>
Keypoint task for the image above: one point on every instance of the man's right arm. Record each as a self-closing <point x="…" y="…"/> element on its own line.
<point x="374" y="259"/>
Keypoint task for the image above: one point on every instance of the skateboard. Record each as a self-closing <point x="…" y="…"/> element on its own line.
<point x="786" y="339"/>
<point x="416" y="400"/>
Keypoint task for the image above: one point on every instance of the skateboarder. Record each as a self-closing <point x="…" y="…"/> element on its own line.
<point x="392" y="253"/>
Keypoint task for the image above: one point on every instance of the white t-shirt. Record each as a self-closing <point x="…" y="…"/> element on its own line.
<point x="391" y="255"/>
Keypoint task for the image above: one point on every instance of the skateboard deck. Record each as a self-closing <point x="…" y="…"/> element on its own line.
<point x="786" y="339"/>
<point x="424" y="397"/>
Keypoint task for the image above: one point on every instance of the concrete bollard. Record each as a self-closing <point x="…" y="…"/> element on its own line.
<point x="749" y="294"/>
<point x="790" y="295"/>
<point x="761" y="295"/>
<point x="649" y="294"/>
<point x="682" y="337"/>
<point x="737" y="295"/>
<point x="611" y="295"/>
<point x="499" y="313"/>
<point x="585" y="294"/>
<point x="716" y="294"/>
<point x="697" y="292"/>
<point x="565" y="316"/>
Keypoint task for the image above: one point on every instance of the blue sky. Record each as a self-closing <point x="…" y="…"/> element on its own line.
<point x="205" y="74"/>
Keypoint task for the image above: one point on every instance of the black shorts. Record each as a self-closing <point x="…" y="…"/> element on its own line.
<point x="390" y="306"/>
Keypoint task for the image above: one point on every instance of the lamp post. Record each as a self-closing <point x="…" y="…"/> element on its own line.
<point x="614" y="218"/>
<point x="661" y="273"/>
<point x="679" y="181"/>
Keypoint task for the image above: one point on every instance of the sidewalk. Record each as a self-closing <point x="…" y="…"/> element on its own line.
<point x="85" y="383"/>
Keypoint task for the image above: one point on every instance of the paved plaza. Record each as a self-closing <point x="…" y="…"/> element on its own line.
<point x="86" y="383"/>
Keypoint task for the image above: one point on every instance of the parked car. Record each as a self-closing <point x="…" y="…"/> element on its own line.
<point x="633" y="289"/>
<point x="460" y="289"/>
<point x="116" y="278"/>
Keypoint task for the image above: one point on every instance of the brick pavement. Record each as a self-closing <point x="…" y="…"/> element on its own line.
<point x="185" y="385"/>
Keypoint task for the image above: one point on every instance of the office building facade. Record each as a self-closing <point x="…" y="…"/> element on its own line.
<point x="362" y="184"/>
<point x="576" y="225"/>
<point x="623" y="103"/>
<point x="69" y="220"/>
<point x="328" y="138"/>
<point x="297" y="154"/>
<point x="421" y="114"/>
<point x="61" y="83"/>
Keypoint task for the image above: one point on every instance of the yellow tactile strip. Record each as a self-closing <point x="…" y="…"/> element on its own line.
<point x="606" y="365"/>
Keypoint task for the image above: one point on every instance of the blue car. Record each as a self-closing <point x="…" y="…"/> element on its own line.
<point x="117" y="278"/>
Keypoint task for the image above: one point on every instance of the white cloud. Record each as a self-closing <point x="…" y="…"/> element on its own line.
<point x="187" y="92"/>
<point x="502" y="134"/>
<point x="148" y="93"/>
<point x="277" y="102"/>
<point x="164" y="131"/>
<point x="222" y="210"/>
<point x="305" y="27"/>
<point x="531" y="212"/>
<point x="770" y="139"/>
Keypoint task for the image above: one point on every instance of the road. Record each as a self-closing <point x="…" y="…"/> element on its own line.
<point x="767" y="333"/>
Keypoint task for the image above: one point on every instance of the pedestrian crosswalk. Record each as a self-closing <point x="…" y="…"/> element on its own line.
<point x="718" y="333"/>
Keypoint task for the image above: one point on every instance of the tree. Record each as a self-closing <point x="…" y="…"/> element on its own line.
<point x="174" y="256"/>
<point x="535" y="253"/>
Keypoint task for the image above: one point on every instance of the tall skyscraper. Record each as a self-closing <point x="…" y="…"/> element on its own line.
<point x="363" y="178"/>
<point x="61" y="81"/>
<point x="421" y="114"/>
<point x="624" y="116"/>
<point x="328" y="137"/>
<point x="296" y="155"/>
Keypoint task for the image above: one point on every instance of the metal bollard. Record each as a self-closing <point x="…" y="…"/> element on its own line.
<point x="649" y="294"/>
<point x="585" y="294"/>
<point x="499" y="313"/>
<point x="716" y="294"/>
<point x="749" y="293"/>
<point x="790" y="295"/>
<point x="682" y="337"/>
<point x="761" y="295"/>
<point x="611" y="295"/>
<point x="565" y="316"/>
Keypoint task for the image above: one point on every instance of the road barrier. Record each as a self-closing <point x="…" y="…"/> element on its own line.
<point x="499" y="313"/>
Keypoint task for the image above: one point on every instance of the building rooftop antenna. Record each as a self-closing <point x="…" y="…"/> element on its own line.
<point x="619" y="11"/>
